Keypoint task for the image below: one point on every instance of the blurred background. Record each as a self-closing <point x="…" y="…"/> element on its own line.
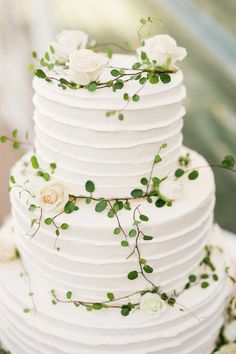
<point x="206" y="28"/>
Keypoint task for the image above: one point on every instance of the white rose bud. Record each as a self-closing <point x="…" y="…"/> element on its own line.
<point x="170" y="189"/>
<point x="229" y="331"/>
<point x="227" y="349"/>
<point x="52" y="196"/>
<point x="7" y="244"/>
<point x="67" y="42"/>
<point x="152" y="304"/>
<point x="85" y="66"/>
<point x="163" y="49"/>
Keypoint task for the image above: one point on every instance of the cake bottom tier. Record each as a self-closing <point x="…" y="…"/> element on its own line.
<point x="190" y="327"/>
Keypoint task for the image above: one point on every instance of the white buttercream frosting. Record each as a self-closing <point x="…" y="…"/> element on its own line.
<point x="91" y="258"/>
<point x="65" y="329"/>
<point x="72" y="130"/>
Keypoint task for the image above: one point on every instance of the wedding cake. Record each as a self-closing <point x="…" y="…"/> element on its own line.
<point x="112" y="216"/>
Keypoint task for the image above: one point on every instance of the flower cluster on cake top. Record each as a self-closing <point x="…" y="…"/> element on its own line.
<point x="82" y="63"/>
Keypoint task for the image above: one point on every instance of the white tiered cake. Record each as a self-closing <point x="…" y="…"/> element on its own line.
<point x="143" y="279"/>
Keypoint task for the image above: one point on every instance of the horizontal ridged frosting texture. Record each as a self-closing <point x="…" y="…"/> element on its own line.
<point x="65" y="329"/>
<point x="72" y="130"/>
<point x="91" y="259"/>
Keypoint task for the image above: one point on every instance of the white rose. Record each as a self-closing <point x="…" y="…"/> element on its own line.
<point x="170" y="189"/>
<point x="52" y="196"/>
<point x="233" y="307"/>
<point x="162" y="48"/>
<point x="230" y="331"/>
<point x="152" y="304"/>
<point x="67" y="42"/>
<point x="227" y="349"/>
<point x="7" y="244"/>
<point x="85" y="66"/>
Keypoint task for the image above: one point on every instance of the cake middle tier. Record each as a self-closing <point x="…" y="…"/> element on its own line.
<point x="88" y="257"/>
<point x="72" y="129"/>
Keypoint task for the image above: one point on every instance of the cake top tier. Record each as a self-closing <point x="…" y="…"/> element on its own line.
<point x="104" y="118"/>
<point x="72" y="63"/>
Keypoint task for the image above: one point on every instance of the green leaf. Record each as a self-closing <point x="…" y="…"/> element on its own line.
<point x="16" y="145"/>
<point x="110" y="296"/>
<point x="142" y="80"/>
<point x="69" y="207"/>
<point x="137" y="193"/>
<point x="143" y="55"/>
<point x="179" y="172"/>
<point x="100" y="206"/>
<point x="53" y="165"/>
<point x="125" y="310"/>
<point x="40" y="73"/>
<point x="48" y="221"/>
<point x="88" y="200"/>
<point x="92" y="86"/>
<point x="153" y="79"/>
<point x="165" y="78"/>
<point x="144" y="181"/>
<point x="63" y="81"/>
<point x="136" y="66"/>
<point x="3" y="138"/>
<point x="147" y="238"/>
<point x="143" y="217"/>
<point x="136" y="98"/>
<point x="142" y="261"/>
<point x="97" y="306"/>
<point x="118" y="205"/>
<point x="52" y="49"/>
<point x="228" y="162"/>
<point x="204" y="285"/>
<point x="160" y="203"/>
<point x="193" y="175"/>
<point x="32" y="207"/>
<point x="192" y="278"/>
<point x="34" y="54"/>
<point x="171" y="301"/>
<point x="204" y="276"/>
<point x="133" y="275"/>
<point x="34" y="162"/>
<point x="69" y="295"/>
<point x="14" y="133"/>
<point x="127" y="205"/>
<point x="31" y="68"/>
<point x="90" y="186"/>
<point x="109" y="53"/>
<point x="124" y="243"/>
<point x="126" y="96"/>
<point x="12" y="179"/>
<point x="115" y="72"/>
<point x="42" y="62"/>
<point x="164" y="146"/>
<point x="156" y="181"/>
<point x="157" y="159"/>
<point x="26" y="310"/>
<point x="111" y="213"/>
<point x="215" y="277"/>
<point x="64" y="226"/>
<point x="47" y="57"/>
<point x="121" y="116"/>
<point x="148" y="269"/>
<point x="117" y="231"/>
<point x="118" y="85"/>
<point x="46" y="176"/>
<point x="132" y="233"/>
<point x="142" y="21"/>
